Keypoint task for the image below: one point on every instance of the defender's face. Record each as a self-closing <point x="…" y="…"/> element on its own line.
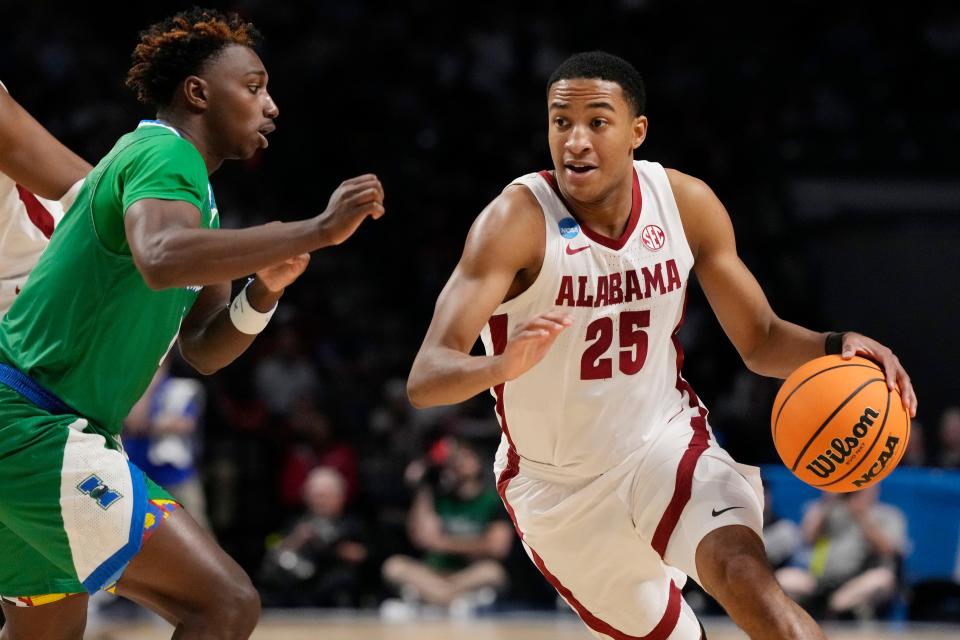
<point x="240" y="110"/>
<point x="592" y="136"/>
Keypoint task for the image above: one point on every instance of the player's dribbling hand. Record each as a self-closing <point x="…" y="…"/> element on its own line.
<point x="530" y="342"/>
<point x="349" y="205"/>
<point x="855" y="344"/>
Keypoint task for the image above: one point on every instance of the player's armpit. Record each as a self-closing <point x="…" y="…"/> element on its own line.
<point x="768" y="344"/>
<point x="505" y="242"/>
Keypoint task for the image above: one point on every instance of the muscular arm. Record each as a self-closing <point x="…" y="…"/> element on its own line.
<point x="34" y="158"/>
<point x="506" y="239"/>
<point x="768" y="344"/>
<point x="171" y="250"/>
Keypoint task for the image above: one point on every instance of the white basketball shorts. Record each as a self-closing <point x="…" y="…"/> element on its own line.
<point x="618" y="547"/>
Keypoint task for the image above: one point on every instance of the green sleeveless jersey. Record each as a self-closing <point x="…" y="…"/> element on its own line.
<point x="86" y="326"/>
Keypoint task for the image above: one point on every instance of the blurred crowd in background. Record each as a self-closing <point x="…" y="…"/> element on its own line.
<point x="304" y="456"/>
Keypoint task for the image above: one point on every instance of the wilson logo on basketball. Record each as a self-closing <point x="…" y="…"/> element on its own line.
<point x="653" y="237"/>
<point x="826" y="463"/>
<point x="880" y="464"/>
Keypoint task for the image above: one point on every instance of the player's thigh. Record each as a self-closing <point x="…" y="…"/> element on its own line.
<point x="723" y="494"/>
<point x="67" y="503"/>
<point x="39" y="609"/>
<point x="181" y="573"/>
<point x="582" y="539"/>
<point x="64" y="619"/>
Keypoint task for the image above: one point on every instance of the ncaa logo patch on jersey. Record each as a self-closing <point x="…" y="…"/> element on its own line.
<point x="653" y="237"/>
<point x="569" y="228"/>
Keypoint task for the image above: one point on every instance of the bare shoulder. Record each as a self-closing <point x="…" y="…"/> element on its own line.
<point x="703" y="216"/>
<point x="510" y="229"/>
<point x="515" y="210"/>
<point x="687" y="187"/>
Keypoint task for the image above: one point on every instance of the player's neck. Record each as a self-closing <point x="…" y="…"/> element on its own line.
<point x="192" y="130"/>
<point x="608" y="215"/>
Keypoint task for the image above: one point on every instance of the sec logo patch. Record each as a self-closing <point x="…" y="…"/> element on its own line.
<point x="653" y="237"/>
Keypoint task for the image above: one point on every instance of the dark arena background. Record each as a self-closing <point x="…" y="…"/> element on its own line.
<point x="825" y="128"/>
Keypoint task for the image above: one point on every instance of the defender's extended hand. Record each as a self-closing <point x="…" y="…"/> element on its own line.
<point x="349" y="205"/>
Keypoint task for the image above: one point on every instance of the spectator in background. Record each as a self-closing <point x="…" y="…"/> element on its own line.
<point x="781" y="536"/>
<point x="948" y="453"/>
<point x="318" y="562"/>
<point x="916" y="454"/>
<point x="161" y="437"/>
<point x="459" y="524"/>
<point x="857" y="546"/>
<point x="315" y="445"/>
<point x="286" y="375"/>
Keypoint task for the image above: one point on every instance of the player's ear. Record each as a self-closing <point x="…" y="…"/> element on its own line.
<point x="195" y="92"/>
<point x="639" y="130"/>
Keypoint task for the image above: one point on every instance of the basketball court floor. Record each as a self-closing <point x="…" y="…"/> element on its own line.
<point x="318" y="626"/>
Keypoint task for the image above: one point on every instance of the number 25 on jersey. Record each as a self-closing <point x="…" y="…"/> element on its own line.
<point x="632" y="351"/>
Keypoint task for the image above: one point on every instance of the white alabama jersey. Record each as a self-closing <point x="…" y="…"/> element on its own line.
<point x="610" y="385"/>
<point x="26" y="223"/>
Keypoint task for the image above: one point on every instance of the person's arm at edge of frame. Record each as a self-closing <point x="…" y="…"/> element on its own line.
<point x="769" y="345"/>
<point x="32" y="157"/>
<point x="170" y="249"/>
<point x="506" y="238"/>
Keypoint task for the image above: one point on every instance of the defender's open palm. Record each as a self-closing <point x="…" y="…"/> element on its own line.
<point x="349" y="205"/>
<point x="531" y="340"/>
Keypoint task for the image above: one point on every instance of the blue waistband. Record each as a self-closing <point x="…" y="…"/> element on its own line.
<point x="32" y="391"/>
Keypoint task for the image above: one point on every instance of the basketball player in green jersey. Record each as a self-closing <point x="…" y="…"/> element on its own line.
<point x="138" y="264"/>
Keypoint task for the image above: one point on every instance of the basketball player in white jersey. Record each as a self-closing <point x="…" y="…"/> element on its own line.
<point x="576" y="281"/>
<point x="39" y="179"/>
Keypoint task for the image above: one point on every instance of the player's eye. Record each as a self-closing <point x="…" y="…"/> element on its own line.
<point x="560" y="122"/>
<point x="253" y="88"/>
<point x="598" y="122"/>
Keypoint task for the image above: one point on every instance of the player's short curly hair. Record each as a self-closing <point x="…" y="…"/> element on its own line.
<point x="605" y="66"/>
<point x="181" y="46"/>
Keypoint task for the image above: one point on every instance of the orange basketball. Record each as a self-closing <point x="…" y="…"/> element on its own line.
<point x="836" y="425"/>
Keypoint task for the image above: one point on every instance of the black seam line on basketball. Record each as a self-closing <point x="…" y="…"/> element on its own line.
<point x="830" y="417"/>
<point x="863" y="458"/>
<point x="776" y="421"/>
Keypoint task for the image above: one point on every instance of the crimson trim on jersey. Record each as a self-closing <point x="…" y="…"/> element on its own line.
<point x="699" y="441"/>
<point x="38" y="214"/>
<point x="671" y="615"/>
<point x="498" y="335"/>
<point x="611" y="243"/>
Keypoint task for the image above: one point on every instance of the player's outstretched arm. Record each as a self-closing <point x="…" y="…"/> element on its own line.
<point x="506" y="239"/>
<point x="32" y="157"/>
<point x="769" y="345"/>
<point x="171" y="250"/>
